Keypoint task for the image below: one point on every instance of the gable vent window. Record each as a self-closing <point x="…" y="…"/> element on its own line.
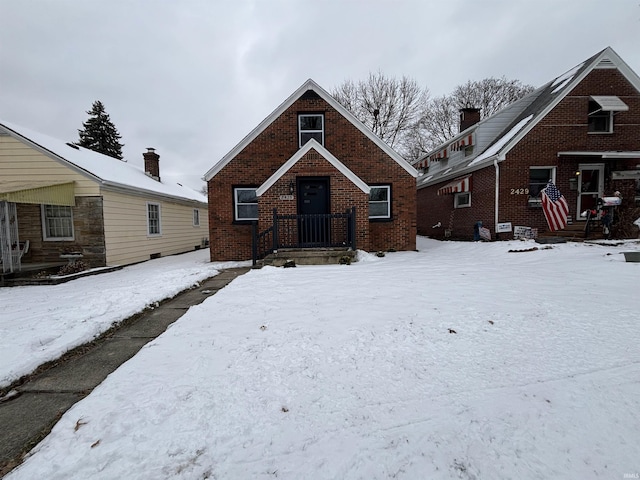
<point x="311" y="126"/>
<point x="601" y="111"/>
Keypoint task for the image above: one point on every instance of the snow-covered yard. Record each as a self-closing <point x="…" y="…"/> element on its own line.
<point x="40" y="323"/>
<point x="462" y="360"/>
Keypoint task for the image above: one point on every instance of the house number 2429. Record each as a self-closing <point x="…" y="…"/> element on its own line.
<point x="519" y="191"/>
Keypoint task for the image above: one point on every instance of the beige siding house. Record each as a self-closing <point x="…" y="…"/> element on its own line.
<point x="57" y="200"/>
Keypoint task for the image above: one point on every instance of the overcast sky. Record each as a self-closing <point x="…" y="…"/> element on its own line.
<point x="192" y="78"/>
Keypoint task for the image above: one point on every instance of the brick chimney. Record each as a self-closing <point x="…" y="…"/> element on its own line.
<point x="468" y="117"/>
<point x="152" y="163"/>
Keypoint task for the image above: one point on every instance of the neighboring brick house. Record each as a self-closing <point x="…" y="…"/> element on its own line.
<point x="311" y="157"/>
<point x="59" y="199"/>
<point x="581" y="130"/>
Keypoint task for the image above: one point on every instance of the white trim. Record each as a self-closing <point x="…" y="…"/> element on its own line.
<point x="457" y="196"/>
<point x="321" y="131"/>
<point x="388" y="202"/>
<point x="312" y="144"/>
<point x="236" y="218"/>
<point x="610" y="154"/>
<point x="608" y="54"/>
<point x="52" y="144"/>
<point x="610" y="103"/>
<point x="306" y="86"/>
<point x="45" y="236"/>
<point x="159" y="233"/>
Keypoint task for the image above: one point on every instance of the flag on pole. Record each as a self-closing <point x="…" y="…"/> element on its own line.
<point x="555" y="207"/>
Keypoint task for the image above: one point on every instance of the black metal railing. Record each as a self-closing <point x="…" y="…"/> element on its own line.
<point x="329" y="230"/>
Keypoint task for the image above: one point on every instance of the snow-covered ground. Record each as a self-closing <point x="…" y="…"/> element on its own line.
<point x="40" y="323"/>
<point x="462" y="360"/>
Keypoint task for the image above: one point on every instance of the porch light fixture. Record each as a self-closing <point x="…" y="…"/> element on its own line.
<point x="292" y="188"/>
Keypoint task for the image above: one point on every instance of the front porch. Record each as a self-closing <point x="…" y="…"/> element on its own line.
<point x="319" y="235"/>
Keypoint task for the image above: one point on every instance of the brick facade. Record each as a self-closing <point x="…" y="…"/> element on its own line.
<point x="276" y="144"/>
<point x="563" y="129"/>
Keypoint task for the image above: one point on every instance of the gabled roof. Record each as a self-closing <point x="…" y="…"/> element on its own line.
<point x="306" y="86"/>
<point x="499" y="133"/>
<point x="105" y="170"/>
<point x="312" y="145"/>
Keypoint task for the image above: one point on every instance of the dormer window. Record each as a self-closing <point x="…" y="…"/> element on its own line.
<point x="601" y="111"/>
<point x="310" y="125"/>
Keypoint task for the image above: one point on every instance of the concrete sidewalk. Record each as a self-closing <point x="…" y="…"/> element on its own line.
<point x="28" y="416"/>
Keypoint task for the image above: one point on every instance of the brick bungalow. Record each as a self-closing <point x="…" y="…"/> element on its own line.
<point x="312" y="162"/>
<point x="581" y="130"/>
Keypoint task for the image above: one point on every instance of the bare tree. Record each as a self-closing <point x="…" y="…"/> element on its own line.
<point x="440" y="120"/>
<point x="490" y="95"/>
<point x="388" y="106"/>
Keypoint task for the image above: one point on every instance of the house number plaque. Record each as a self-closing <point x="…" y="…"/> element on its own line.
<point x="286" y="197"/>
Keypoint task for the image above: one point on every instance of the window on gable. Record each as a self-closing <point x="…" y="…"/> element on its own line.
<point x="245" y="204"/>
<point x="599" y="121"/>
<point x="538" y="179"/>
<point x="602" y="108"/>
<point x="380" y="202"/>
<point x="153" y="219"/>
<point x="57" y="222"/>
<point x="310" y="126"/>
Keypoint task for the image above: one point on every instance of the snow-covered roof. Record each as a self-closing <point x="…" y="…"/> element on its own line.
<point x="107" y="171"/>
<point x="496" y="135"/>
<point x="306" y="86"/>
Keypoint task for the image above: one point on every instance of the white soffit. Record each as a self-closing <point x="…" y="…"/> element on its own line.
<point x="610" y="103"/>
<point x="313" y="144"/>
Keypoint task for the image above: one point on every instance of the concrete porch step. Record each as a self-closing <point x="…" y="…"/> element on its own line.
<point x="309" y="256"/>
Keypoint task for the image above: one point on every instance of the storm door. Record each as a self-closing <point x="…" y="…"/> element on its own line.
<point x="590" y="186"/>
<point x="313" y="210"/>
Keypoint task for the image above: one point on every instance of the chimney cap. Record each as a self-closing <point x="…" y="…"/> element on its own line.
<point x="150" y="149"/>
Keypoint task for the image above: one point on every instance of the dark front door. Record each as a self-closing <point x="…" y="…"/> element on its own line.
<point x="313" y="208"/>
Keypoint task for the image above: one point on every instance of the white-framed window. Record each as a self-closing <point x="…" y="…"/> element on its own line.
<point x="599" y="120"/>
<point x="245" y="204"/>
<point x="380" y="202"/>
<point x="153" y="219"/>
<point x="57" y="222"/>
<point x="538" y="179"/>
<point x="310" y="125"/>
<point x="196" y="217"/>
<point x="462" y="200"/>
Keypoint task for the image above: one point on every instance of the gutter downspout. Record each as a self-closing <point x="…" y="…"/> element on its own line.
<point x="497" y="195"/>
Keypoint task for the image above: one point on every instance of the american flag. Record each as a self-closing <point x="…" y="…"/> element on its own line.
<point x="555" y="207"/>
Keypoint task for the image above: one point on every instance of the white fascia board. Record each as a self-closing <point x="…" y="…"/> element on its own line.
<point x="309" y="85"/>
<point x="607" y="154"/>
<point x="49" y="153"/>
<point x="312" y="144"/>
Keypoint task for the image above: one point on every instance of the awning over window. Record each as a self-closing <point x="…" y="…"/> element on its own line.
<point x="462" y="184"/>
<point x="38" y="193"/>
<point x="610" y="103"/>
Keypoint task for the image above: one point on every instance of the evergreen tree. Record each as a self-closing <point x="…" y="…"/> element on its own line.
<point x="100" y="134"/>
